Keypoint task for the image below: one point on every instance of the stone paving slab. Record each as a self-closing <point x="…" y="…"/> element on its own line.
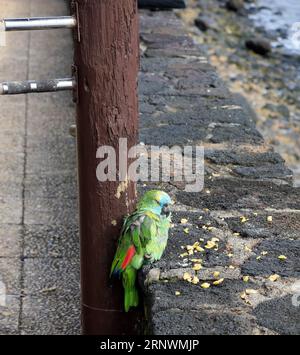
<point x="51" y="314"/>
<point x="51" y="156"/>
<point x="42" y="275"/>
<point x="13" y="162"/>
<point x="51" y="211"/>
<point x="51" y="241"/>
<point x="170" y="322"/>
<point x="10" y="275"/>
<point x="259" y="227"/>
<point x="11" y="141"/>
<point x="11" y="209"/>
<point x="12" y="113"/>
<point x="9" y="315"/>
<point x="230" y="194"/>
<point x="212" y="112"/>
<point x="63" y="184"/>
<point x="10" y="240"/>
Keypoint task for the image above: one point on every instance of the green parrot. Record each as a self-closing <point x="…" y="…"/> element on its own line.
<point x="143" y="239"/>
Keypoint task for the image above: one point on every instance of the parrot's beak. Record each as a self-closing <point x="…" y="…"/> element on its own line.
<point x="166" y="210"/>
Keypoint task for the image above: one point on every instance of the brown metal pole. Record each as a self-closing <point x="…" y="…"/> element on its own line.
<point x="106" y="59"/>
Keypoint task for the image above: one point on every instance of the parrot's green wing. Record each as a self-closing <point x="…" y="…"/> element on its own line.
<point x="137" y="231"/>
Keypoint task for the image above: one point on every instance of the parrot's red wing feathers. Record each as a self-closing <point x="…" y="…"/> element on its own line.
<point x="128" y="257"/>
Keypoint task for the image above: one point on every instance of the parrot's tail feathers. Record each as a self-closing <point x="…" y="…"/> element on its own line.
<point x="131" y="298"/>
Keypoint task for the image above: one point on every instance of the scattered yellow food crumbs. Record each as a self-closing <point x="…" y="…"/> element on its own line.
<point x="197" y="267"/>
<point x="258" y="258"/>
<point x="244" y="219"/>
<point x="264" y="253"/>
<point x="245" y="278"/>
<point x="191" y="252"/>
<point x="207" y="191"/>
<point x="196" y="244"/>
<point x="200" y="217"/>
<point x="210" y="244"/>
<point x="187" y="276"/>
<point x="210" y="228"/>
<point x="255" y="214"/>
<point x="236" y="234"/>
<point x="215" y="175"/>
<point x="250" y="291"/>
<point x="243" y="295"/>
<point x="177" y="293"/>
<point x="230" y="255"/>
<point x="189" y="247"/>
<point x="183" y="221"/>
<point x="206" y="209"/>
<point x="204" y="227"/>
<point x="198" y="248"/>
<point x="196" y="260"/>
<point x="282" y="257"/>
<point x="201" y="240"/>
<point x="182" y="246"/>
<point x="215" y="239"/>
<point x="218" y="282"/>
<point x="183" y="255"/>
<point x="186" y="230"/>
<point x="248" y="249"/>
<point x="231" y="267"/>
<point x="205" y="285"/>
<point x="195" y="280"/>
<point x="248" y="302"/>
<point x="216" y="274"/>
<point x="274" y="277"/>
<point x="270" y="219"/>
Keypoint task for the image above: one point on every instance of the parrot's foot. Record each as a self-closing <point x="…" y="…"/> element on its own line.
<point x="148" y="259"/>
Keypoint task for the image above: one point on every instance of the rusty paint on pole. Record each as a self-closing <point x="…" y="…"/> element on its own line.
<point x="107" y="59"/>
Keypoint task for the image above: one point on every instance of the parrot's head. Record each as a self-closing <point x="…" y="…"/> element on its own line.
<point x="156" y="201"/>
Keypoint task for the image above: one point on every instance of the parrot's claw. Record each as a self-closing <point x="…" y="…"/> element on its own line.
<point x="147" y="256"/>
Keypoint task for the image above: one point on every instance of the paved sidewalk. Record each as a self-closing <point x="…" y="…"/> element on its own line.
<point x="39" y="262"/>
